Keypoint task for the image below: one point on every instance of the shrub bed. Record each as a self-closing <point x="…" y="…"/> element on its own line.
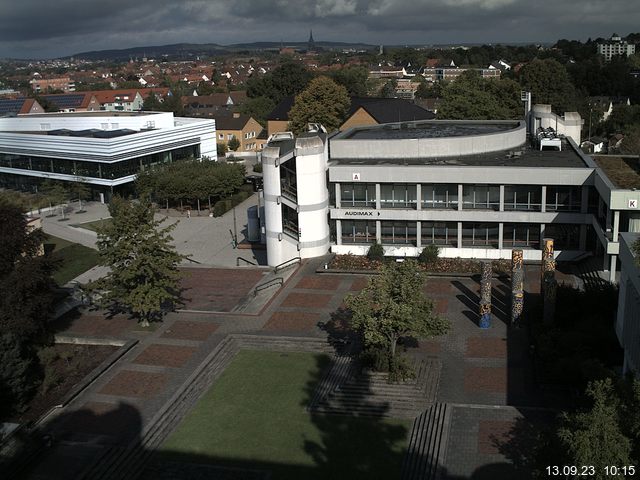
<point x="439" y="265"/>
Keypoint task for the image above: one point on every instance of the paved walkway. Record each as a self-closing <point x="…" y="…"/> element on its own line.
<point x="486" y="376"/>
<point x="207" y="240"/>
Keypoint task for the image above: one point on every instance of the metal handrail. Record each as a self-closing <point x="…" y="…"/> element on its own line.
<point x="192" y="260"/>
<point x="244" y="260"/>
<point x="286" y="264"/>
<point x="270" y="283"/>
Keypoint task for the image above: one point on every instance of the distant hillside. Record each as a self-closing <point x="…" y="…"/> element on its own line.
<point x="187" y="50"/>
<point x="175" y="50"/>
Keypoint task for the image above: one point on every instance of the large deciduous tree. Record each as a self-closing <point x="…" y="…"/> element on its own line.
<point x="26" y="300"/>
<point x="144" y="279"/>
<point x="289" y="78"/>
<point x="392" y="306"/>
<point x="471" y="97"/>
<point x="594" y="437"/>
<point x="354" y="79"/>
<point x="324" y="102"/>
<point x="549" y="83"/>
<point x="26" y="286"/>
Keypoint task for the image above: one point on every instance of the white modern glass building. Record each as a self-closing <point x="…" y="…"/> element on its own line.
<point x="104" y="149"/>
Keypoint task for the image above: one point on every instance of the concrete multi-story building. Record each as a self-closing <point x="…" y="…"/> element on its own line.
<point x="476" y="189"/>
<point x="103" y="149"/>
<point x="44" y="85"/>
<point x="615" y="46"/>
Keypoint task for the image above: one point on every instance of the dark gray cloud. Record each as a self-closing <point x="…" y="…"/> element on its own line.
<point x="45" y="28"/>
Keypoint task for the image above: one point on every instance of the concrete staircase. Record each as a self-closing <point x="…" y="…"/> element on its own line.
<point x="427" y="445"/>
<point x="348" y="391"/>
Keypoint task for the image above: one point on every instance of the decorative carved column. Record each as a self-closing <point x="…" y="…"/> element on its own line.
<point x="485" y="294"/>
<point x="517" y="285"/>
<point x="548" y="283"/>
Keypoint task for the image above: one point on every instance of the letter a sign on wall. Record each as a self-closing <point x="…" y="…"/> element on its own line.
<point x="356" y="177"/>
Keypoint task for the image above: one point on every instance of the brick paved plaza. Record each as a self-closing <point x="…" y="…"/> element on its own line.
<point x="485" y="375"/>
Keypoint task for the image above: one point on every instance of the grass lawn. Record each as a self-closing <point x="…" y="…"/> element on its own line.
<point x="93" y="226"/>
<point x="76" y="259"/>
<point x="254" y="417"/>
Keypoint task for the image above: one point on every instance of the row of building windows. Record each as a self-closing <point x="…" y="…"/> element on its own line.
<point x="474" y="197"/>
<point x="87" y="169"/>
<point x="484" y="235"/>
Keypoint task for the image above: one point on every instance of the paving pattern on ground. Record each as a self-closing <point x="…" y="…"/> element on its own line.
<point x="217" y="289"/>
<point x="479" y="367"/>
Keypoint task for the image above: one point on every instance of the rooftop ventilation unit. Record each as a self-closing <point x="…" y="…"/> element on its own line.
<point x="280" y="136"/>
<point x="316" y="128"/>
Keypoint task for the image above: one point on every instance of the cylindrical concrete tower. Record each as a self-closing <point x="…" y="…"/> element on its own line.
<point x="313" y="196"/>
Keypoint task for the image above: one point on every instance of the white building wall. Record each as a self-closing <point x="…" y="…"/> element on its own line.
<point x="272" y="206"/>
<point x="313" y="196"/>
<point x="86" y="120"/>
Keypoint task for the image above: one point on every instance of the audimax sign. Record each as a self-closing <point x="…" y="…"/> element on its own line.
<point x="357" y="213"/>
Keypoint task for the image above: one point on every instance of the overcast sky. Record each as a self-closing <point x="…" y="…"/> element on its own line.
<point x="52" y="28"/>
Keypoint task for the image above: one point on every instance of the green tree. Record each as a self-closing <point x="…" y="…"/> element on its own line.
<point x="324" y="102"/>
<point x="26" y="287"/>
<point x="233" y="144"/>
<point x="471" y="97"/>
<point x="631" y="142"/>
<point x="593" y="437"/>
<point x="152" y="103"/>
<point x="354" y="79"/>
<point x="259" y="108"/>
<point x="389" y="89"/>
<point x="392" y="306"/>
<point x="549" y="83"/>
<point x="55" y="194"/>
<point x="376" y="252"/>
<point x="144" y="279"/>
<point x="289" y="78"/>
<point x="433" y="90"/>
<point x="80" y="190"/>
<point x="19" y="374"/>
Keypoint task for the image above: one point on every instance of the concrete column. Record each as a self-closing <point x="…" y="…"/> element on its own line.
<point x="418" y="234"/>
<point x="485" y="294"/>
<point x="616" y="225"/>
<point x="548" y="281"/>
<point x="377" y="196"/>
<point x="500" y="235"/>
<point x="501" y="199"/>
<point x="543" y="206"/>
<point x="459" y="234"/>
<point x="418" y="198"/>
<point x="338" y="232"/>
<point x="338" y="196"/>
<point x="612" y="270"/>
<point x="517" y="285"/>
<point x="378" y="231"/>
<point x="583" y="237"/>
<point x="460" y="193"/>
<point x="584" y="201"/>
<point x="542" y="225"/>
<point x="622" y="304"/>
